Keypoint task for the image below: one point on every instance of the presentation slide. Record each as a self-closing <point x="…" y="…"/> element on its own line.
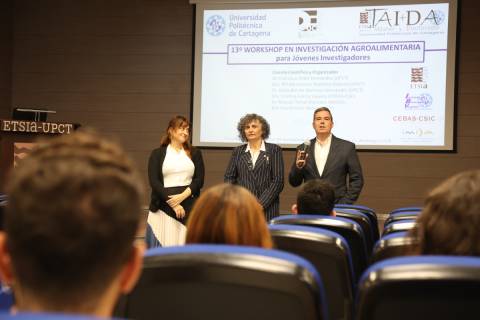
<point x="385" y="71"/>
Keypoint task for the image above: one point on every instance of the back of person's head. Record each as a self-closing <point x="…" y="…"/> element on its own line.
<point x="72" y="216"/>
<point x="450" y="221"/>
<point x="316" y="197"/>
<point x="228" y="214"/>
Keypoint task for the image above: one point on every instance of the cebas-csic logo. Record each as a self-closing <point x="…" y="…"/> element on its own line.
<point x="215" y="25"/>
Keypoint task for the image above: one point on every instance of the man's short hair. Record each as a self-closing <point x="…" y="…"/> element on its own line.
<point x="72" y="216"/>
<point x="316" y="197"/>
<point x="322" y="109"/>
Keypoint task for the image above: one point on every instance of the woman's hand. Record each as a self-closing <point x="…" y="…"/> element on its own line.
<point x="175" y="199"/>
<point x="179" y="211"/>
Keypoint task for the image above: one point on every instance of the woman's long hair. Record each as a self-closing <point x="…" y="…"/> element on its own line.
<point x="175" y="123"/>
<point x="228" y="214"/>
<point x="450" y="221"/>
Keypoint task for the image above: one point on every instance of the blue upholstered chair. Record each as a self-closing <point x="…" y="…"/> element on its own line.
<point x="370" y="213"/>
<point x="402" y="215"/>
<point x="393" y="245"/>
<point x="329" y="253"/>
<point x="420" y="287"/>
<point x="350" y="230"/>
<point x="225" y="282"/>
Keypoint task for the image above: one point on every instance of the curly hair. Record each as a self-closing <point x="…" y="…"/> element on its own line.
<point x="246" y="120"/>
<point x="450" y="221"/>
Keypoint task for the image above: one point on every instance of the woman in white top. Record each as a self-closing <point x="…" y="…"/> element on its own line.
<point x="175" y="173"/>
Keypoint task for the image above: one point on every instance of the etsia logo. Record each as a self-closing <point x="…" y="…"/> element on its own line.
<point x="215" y="25"/>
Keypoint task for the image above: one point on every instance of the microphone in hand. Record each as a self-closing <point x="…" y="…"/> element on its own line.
<point x="302" y="154"/>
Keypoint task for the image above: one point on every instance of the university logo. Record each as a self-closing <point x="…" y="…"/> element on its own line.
<point x="418" y="78"/>
<point x="307" y="21"/>
<point x="215" y="25"/>
<point x="418" y="102"/>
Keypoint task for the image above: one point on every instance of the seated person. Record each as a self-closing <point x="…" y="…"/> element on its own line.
<point x="228" y="214"/>
<point x="315" y="197"/>
<point x="450" y="221"/>
<point x="73" y="212"/>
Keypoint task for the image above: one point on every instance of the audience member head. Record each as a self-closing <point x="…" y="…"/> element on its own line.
<point x="450" y="221"/>
<point x="315" y="197"/>
<point x="72" y="215"/>
<point x="228" y="214"/>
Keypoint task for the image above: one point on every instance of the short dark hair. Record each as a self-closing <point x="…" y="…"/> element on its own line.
<point x="323" y="109"/>
<point x="72" y="215"/>
<point x="245" y="120"/>
<point x="316" y="197"/>
<point x="450" y="221"/>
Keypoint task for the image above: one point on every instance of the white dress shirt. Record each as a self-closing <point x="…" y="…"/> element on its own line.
<point x="321" y="153"/>
<point x="255" y="154"/>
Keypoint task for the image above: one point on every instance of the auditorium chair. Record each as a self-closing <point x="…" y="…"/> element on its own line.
<point x="370" y="213"/>
<point x="363" y="221"/>
<point x="406" y="209"/>
<point x="329" y="253"/>
<point x="350" y="230"/>
<point x="398" y="226"/>
<point x="393" y="245"/>
<point x="401" y="215"/>
<point x="420" y="287"/>
<point x="224" y="282"/>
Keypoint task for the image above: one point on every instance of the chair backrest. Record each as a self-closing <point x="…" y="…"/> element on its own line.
<point x="350" y="230"/>
<point x="364" y="223"/>
<point x="224" y="282"/>
<point x="403" y="225"/>
<point x="48" y="316"/>
<point x="402" y="215"/>
<point x="417" y="208"/>
<point x="420" y="287"/>
<point x="393" y="245"/>
<point x="6" y="298"/>
<point x="370" y="213"/>
<point x="329" y="253"/>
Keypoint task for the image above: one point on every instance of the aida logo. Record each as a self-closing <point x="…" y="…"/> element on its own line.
<point x="307" y="21"/>
<point x="215" y="25"/>
<point x="382" y="17"/>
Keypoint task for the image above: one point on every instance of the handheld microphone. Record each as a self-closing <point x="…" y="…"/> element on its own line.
<point x="304" y="152"/>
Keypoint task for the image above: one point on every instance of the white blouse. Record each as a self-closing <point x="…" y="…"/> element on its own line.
<point x="177" y="168"/>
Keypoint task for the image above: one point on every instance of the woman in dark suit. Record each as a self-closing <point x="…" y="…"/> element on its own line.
<point x="257" y="165"/>
<point x="175" y="173"/>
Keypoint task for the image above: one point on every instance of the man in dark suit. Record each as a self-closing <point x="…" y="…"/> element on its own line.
<point x="328" y="158"/>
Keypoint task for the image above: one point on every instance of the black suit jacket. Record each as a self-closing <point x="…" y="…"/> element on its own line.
<point x="265" y="180"/>
<point x="159" y="194"/>
<point x="342" y="161"/>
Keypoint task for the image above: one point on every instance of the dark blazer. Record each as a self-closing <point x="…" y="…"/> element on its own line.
<point x="160" y="194"/>
<point x="342" y="160"/>
<point x="265" y="180"/>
